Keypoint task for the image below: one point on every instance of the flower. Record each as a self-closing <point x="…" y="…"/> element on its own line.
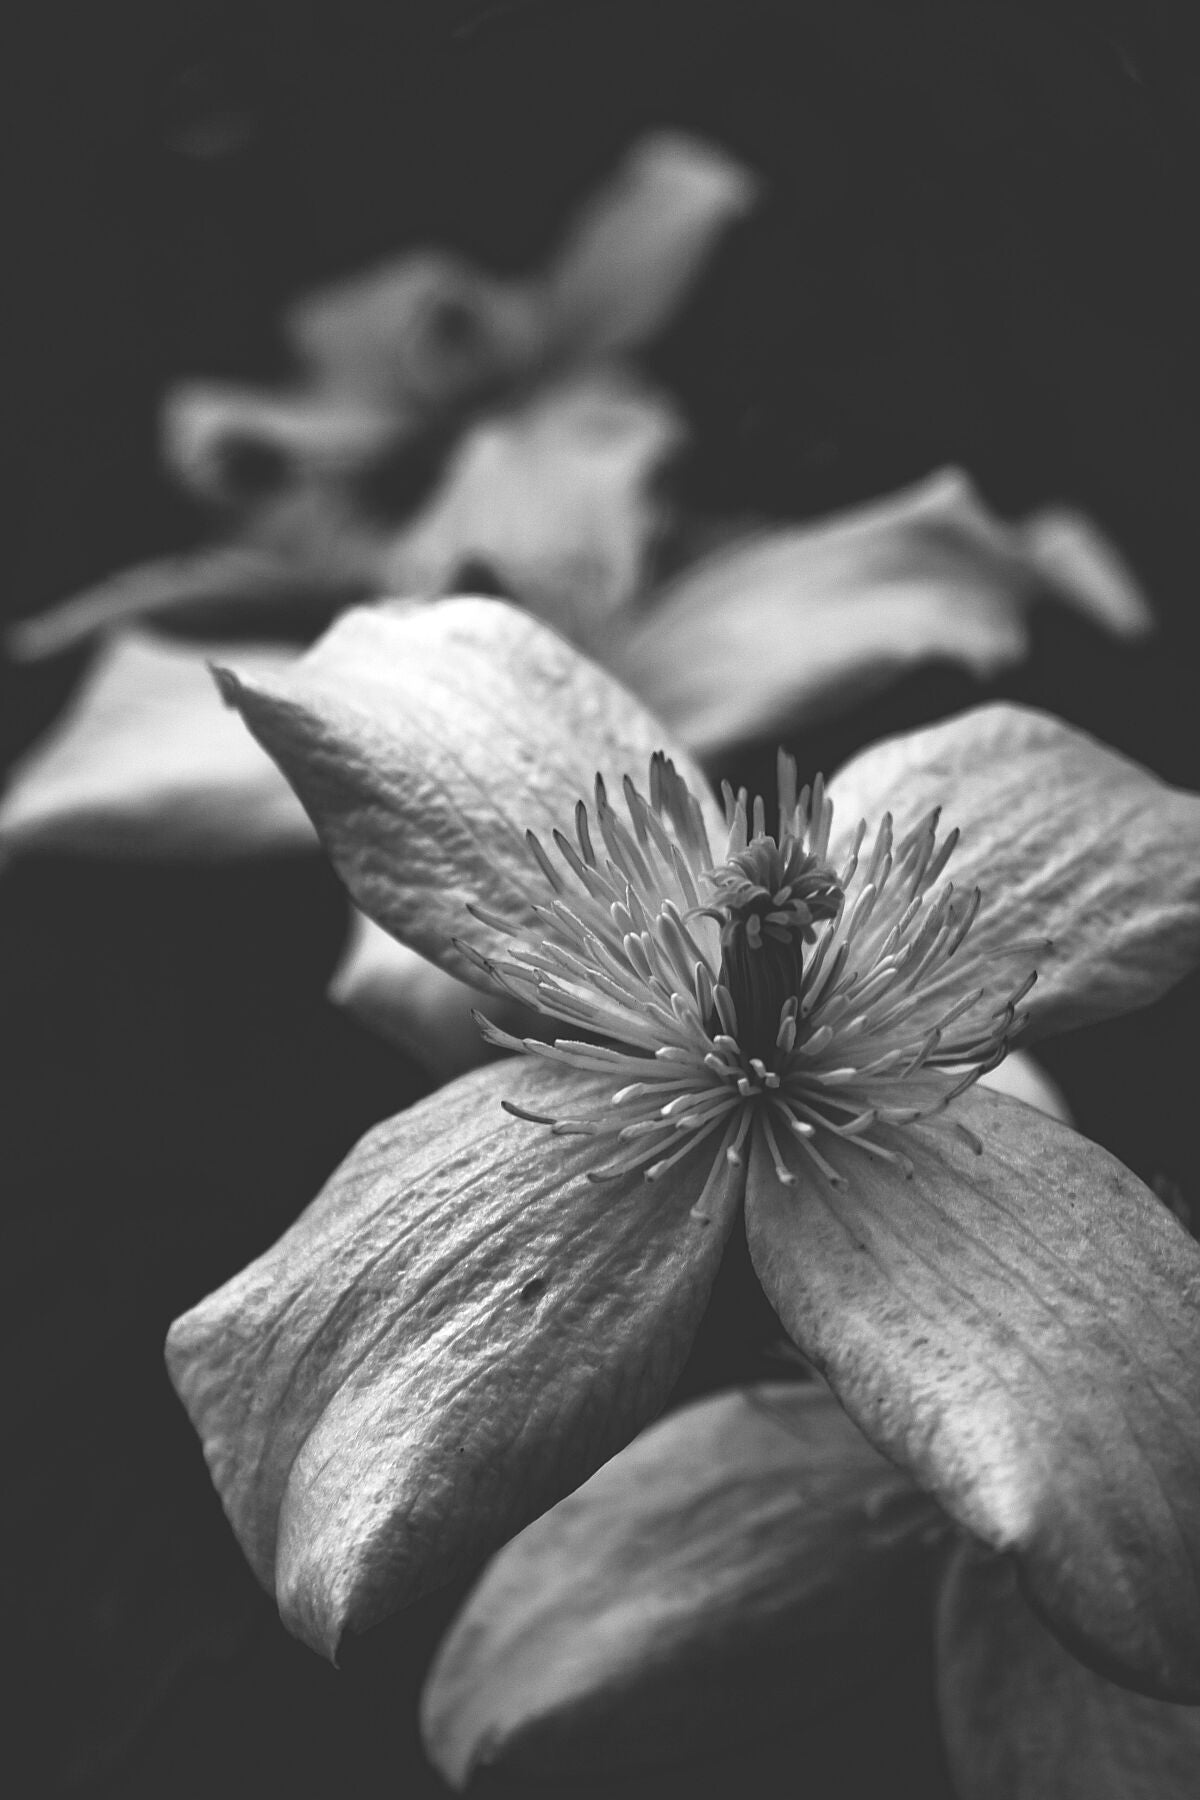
<point x="741" y="1570"/>
<point x="464" y="1323"/>
<point x="759" y="993"/>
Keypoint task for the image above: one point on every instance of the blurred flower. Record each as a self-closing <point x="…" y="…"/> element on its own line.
<point x="739" y="1570"/>
<point x="464" y="1323"/>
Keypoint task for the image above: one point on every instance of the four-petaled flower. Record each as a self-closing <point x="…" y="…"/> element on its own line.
<point x="784" y="1027"/>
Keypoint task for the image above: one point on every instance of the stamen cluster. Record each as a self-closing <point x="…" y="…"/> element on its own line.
<point x="766" y="991"/>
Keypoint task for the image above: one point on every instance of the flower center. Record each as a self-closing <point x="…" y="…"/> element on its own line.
<point x="767" y="900"/>
<point x="762" y="992"/>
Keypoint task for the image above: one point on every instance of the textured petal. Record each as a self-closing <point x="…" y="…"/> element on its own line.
<point x="636" y="248"/>
<point x="1022" y="1720"/>
<point x="559" y="502"/>
<point x="426" y="740"/>
<point x="794" y="625"/>
<point x="746" y="1561"/>
<point x="146" y="762"/>
<point x="1020" y="1329"/>
<point x="1067" y="840"/>
<point x="424" y="1010"/>
<point x="458" y="1330"/>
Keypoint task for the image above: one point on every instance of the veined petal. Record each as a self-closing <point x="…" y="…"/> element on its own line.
<point x="1022" y="1720"/>
<point x="146" y="762"/>
<point x="425" y="741"/>
<point x="1021" y="1330"/>
<point x="743" y="1564"/>
<point x="459" y="1329"/>
<point x="1067" y="840"/>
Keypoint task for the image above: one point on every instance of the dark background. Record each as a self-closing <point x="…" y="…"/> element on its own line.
<point x="979" y="247"/>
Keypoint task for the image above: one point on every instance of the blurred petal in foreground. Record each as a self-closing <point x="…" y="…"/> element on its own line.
<point x="792" y="625"/>
<point x="740" y="1568"/>
<point x="146" y="762"/>
<point x="1022" y="1720"/>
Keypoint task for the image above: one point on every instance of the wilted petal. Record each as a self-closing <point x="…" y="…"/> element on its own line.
<point x="146" y="762"/>
<point x="426" y="740"/>
<point x="1022" y="1720"/>
<point x="557" y="503"/>
<point x="636" y="248"/>
<point x="1067" y="840"/>
<point x="425" y="330"/>
<point x="424" y="1010"/>
<point x="1021" y="1329"/>
<point x="458" y="1330"/>
<point x="794" y="625"/>
<point x="747" y="1562"/>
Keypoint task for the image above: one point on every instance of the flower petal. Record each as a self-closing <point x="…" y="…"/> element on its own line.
<point x="425" y="331"/>
<point x="794" y="625"/>
<point x="1020" y="1329"/>
<point x="1067" y="840"/>
<point x="1022" y="1720"/>
<point x="745" y="1562"/>
<point x="146" y="762"/>
<point x="559" y="501"/>
<point x="426" y="740"/>
<point x="201" y="587"/>
<point x="459" y="1329"/>
<point x="223" y="442"/>
<point x="1025" y="1079"/>
<point x="636" y="248"/>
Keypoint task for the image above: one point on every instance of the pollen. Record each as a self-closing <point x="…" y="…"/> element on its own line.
<point x="762" y="991"/>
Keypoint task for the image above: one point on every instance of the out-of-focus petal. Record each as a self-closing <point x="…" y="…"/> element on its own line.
<point x="426" y="740"/>
<point x="747" y="1562"/>
<point x="796" y="624"/>
<point x="458" y="1330"/>
<point x="558" y="503"/>
<point x="1020" y="1076"/>
<point x="146" y="762"/>
<point x="425" y="330"/>
<point x="233" y="444"/>
<point x="200" y="587"/>
<point x="1067" y="840"/>
<point x="424" y="1010"/>
<point x="1021" y="1330"/>
<point x="636" y="248"/>
<point x="1022" y="1720"/>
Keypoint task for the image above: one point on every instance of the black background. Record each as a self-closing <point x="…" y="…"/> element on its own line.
<point x="979" y="247"/>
